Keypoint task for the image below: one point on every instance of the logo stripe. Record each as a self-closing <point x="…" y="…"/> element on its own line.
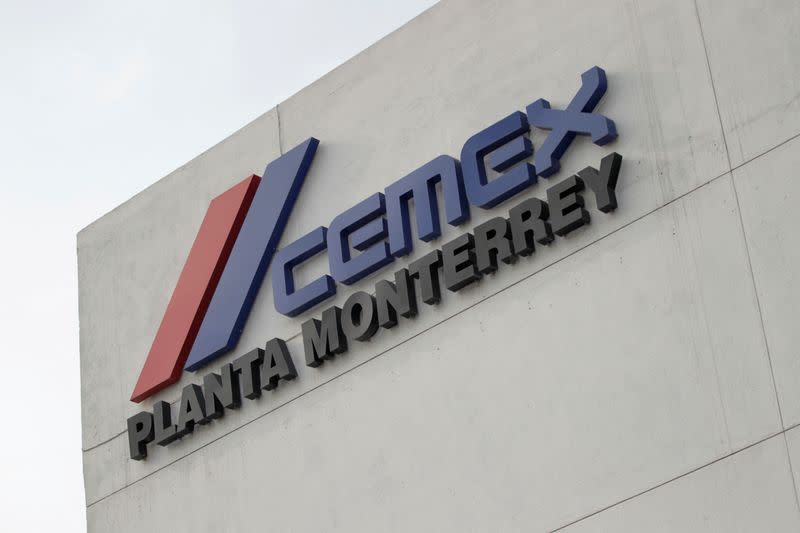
<point x="251" y="255"/>
<point x="194" y="289"/>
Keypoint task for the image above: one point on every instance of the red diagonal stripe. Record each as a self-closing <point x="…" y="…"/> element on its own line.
<point x="195" y="287"/>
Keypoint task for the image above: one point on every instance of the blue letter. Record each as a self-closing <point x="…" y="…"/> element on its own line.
<point x="577" y="118"/>
<point x="421" y="185"/>
<point x="363" y="222"/>
<point x="288" y="300"/>
<point x="479" y="191"/>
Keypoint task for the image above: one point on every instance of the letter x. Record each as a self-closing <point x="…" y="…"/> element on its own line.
<point x="576" y="118"/>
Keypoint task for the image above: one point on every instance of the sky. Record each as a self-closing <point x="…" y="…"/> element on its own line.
<point x="98" y="100"/>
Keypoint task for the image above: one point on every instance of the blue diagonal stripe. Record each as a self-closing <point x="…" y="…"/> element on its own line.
<point x="251" y="255"/>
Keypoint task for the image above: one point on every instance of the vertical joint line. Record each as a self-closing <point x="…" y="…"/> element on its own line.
<point x="280" y="134"/>
<point x="791" y="468"/>
<point x="747" y="252"/>
<point x="758" y="300"/>
<point x="713" y="86"/>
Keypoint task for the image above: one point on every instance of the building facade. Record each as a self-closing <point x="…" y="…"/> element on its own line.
<point x="635" y="369"/>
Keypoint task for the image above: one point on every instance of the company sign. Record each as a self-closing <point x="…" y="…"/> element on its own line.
<point x="238" y="237"/>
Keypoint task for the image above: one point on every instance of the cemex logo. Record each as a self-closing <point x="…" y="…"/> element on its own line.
<point x="237" y="240"/>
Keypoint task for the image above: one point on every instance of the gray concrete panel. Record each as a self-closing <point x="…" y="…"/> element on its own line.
<point x="753" y="46"/>
<point x="769" y="192"/>
<point x="626" y="364"/>
<point x="405" y="100"/>
<point x="749" y="491"/>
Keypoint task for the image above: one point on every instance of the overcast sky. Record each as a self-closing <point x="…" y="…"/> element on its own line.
<point x="99" y="99"/>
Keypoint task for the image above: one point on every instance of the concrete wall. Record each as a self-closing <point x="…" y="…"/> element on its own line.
<point x="655" y="384"/>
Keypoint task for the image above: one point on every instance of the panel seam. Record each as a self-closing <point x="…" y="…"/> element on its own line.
<point x="671" y="480"/>
<point x="280" y="134"/>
